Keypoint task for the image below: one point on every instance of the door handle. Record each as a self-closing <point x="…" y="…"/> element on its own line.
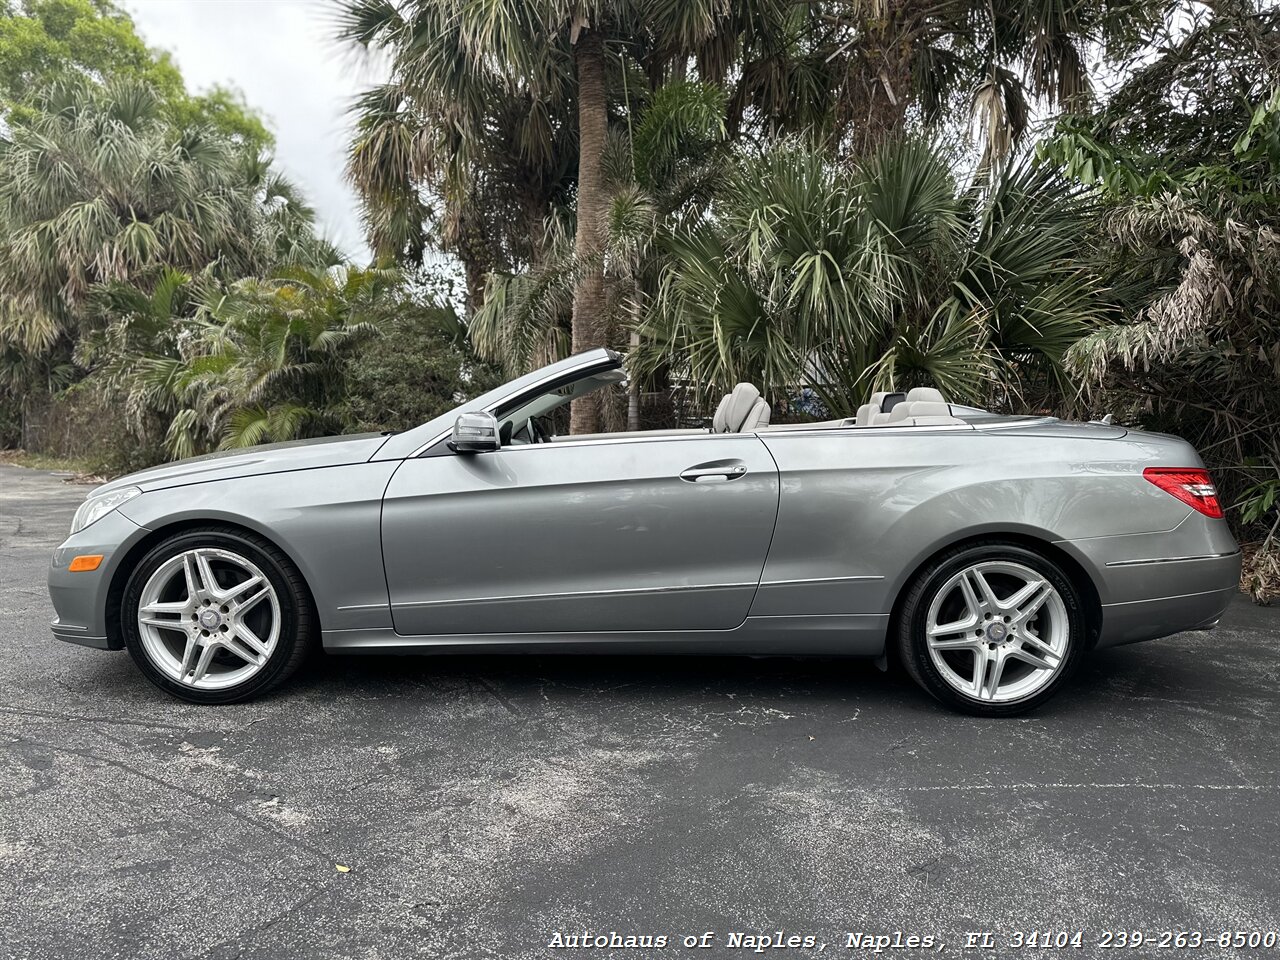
<point x="720" y="472"/>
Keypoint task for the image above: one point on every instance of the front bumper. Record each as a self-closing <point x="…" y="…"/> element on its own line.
<point x="80" y="599"/>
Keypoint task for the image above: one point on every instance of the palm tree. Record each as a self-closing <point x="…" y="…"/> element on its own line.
<point x="473" y="148"/>
<point x="231" y="366"/>
<point x="1185" y="161"/>
<point x="881" y="275"/>
<point x="662" y="170"/>
<point x="896" y="61"/>
<point x="430" y="126"/>
<point x="481" y="92"/>
<point x="98" y="187"/>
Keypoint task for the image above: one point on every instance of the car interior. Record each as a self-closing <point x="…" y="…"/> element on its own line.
<point x="545" y="418"/>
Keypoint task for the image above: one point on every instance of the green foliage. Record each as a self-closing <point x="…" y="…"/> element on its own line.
<point x="306" y="353"/>
<point x="472" y="143"/>
<point x="1257" y="501"/>
<point x="48" y="42"/>
<point x="100" y="187"/>
<point x="1186" y="162"/>
<point x="884" y="275"/>
<point x="154" y="264"/>
<point x="420" y="368"/>
<point x="233" y="365"/>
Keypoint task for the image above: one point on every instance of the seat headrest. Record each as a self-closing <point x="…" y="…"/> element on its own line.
<point x="899" y="413"/>
<point x="864" y="414"/>
<point x="875" y="400"/>
<point x="928" y="394"/>
<point x="736" y="409"/>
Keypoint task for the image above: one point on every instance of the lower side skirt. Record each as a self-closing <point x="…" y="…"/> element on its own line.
<point x="857" y="635"/>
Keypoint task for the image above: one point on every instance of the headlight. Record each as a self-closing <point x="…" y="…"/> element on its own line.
<point x="97" y="507"/>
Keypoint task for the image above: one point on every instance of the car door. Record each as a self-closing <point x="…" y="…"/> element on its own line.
<point x="606" y="535"/>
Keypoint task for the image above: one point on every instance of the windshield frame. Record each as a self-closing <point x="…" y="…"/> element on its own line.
<point x="424" y="439"/>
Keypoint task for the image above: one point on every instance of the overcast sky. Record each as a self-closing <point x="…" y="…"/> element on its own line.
<point x="278" y="53"/>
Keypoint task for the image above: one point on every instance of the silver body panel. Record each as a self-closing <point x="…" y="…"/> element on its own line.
<point x="556" y="538"/>
<point x="803" y="547"/>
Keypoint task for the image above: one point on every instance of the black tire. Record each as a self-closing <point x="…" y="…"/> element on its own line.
<point x="297" y="613"/>
<point x="911" y="623"/>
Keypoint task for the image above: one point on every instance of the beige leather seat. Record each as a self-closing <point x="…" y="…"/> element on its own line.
<point x="742" y="411"/>
<point x="921" y="406"/>
<point x="869" y="409"/>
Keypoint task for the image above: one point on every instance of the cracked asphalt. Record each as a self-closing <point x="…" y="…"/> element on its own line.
<point x="483" y="804"/>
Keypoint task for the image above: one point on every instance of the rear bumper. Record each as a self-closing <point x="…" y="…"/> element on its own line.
<point x="1152" y="585"/>
<point x="1151" y="619"/>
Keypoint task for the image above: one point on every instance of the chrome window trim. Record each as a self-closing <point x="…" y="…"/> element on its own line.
<point x="1144" y="562"/>
<point x="877" y="430"/>
<point x="762" y="436"/>
<point x="638" y="438"/>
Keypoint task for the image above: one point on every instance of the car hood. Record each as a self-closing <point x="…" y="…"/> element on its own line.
<point x="254" y="461"/>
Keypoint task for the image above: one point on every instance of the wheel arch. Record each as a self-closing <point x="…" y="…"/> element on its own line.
<point x="155" y="535"/>
<point x="1029" y="538"/>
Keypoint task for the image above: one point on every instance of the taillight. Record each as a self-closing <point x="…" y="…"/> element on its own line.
<point x="1190" y="485"/>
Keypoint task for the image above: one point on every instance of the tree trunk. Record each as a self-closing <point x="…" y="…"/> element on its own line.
<point x="880" y="87"/>
<point x="472" y="248"/>
<point x="633" y="389"/>
<point x="588" y="295"/>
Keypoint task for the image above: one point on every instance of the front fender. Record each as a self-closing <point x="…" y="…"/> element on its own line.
<point x="325" y="520"/>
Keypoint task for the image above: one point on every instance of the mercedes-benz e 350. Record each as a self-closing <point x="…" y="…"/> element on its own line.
<point x="987" y="553"/>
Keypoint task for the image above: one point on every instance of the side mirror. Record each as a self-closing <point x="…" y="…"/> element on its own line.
<point x="475" y="433"/>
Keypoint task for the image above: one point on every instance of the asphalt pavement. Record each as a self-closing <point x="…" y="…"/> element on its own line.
<point x="491" y="807"/>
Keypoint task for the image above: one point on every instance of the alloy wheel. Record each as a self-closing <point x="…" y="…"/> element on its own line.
<point x="997" y="631"/>
<point x="209" y="618"/>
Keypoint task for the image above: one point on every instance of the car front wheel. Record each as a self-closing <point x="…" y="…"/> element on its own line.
<point x="216" y="616"/>
<point x="991" y="629"/>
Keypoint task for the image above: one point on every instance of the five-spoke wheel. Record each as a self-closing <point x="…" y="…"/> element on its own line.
<point x="209" y="618"/>
<point x="216" y="615"/>
<point x="991" y="628"/>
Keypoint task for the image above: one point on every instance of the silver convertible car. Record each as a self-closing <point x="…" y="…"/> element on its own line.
<point x="988" y="553"/>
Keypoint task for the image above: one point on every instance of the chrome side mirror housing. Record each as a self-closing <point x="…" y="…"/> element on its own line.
<point x="475" y="433"/>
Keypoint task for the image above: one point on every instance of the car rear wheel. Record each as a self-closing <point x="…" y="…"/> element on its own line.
<point x="991" y="629"/>
<point x="216" y="616"/>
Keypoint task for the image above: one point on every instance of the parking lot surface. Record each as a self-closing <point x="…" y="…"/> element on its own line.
<point x="484" y="806"/>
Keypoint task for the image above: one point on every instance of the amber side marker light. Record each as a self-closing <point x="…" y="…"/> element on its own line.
<point x="86" y="563"/>
<point x="1191" y="485"/>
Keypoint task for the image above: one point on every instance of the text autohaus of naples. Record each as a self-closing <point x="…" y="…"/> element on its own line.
<point x="757" y="942"/>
